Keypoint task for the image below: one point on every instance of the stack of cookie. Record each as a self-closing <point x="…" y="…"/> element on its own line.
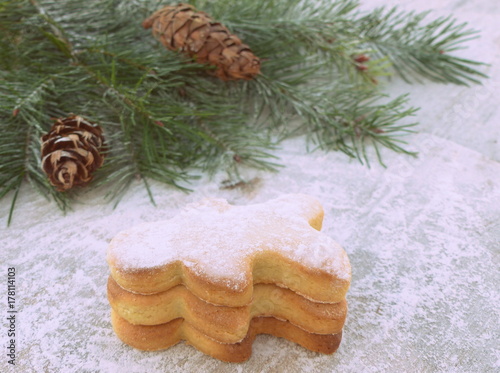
<point x="217" y="275"/>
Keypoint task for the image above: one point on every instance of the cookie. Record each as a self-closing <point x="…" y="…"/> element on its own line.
<point x="217" y="275"/>
<point x="227" y="324"/>
<point x="163" y="336"/>
<point x="219" y="251"/>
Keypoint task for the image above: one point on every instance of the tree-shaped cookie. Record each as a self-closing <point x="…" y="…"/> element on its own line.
<point x="219" y="251"/>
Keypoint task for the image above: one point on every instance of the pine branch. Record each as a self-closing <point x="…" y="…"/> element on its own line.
<point x="166" y="118"/>
<point x="22" y="129"/>
<point x="417" y="49"/>
<point x="284" y="31"/>
<point x="365" y="121"/>
<point x="337" y="32"/>
<point x="347" y="118"/>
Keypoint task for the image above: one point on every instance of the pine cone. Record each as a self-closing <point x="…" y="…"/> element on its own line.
<point x="183" y="28"/>
<point x="72" y="151"/>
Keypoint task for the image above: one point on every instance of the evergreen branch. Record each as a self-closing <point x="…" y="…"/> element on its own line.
<point x="145" y="153"/>
<point x="344" y="117"/>
<point x="366" y="121"/>
<point x="334" y="31"/>
<point x="417" y="49"/>
<point x="283" y="31"/>
<point x="22" y="128"/>
<point x="165" y="118"/>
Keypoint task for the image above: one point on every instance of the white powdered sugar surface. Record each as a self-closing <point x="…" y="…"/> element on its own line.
<point x="422" y="237"/>
<point x="218" y="241"/>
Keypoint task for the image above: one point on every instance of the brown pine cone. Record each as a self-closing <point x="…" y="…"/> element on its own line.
<point x="183" y="28"/>
<point x="72" y="151"/>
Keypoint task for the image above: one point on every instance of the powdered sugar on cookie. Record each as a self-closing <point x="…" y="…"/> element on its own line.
<point x="217" y="240"/>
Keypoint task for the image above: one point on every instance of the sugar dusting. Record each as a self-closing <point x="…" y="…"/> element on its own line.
<point x="218" y="240"/>
<point x="422" y="237"/>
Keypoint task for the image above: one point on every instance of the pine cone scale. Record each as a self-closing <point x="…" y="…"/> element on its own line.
<point x="66" y="174"/>
<point x="179" y="31"/>
<point x="198" y="36"/>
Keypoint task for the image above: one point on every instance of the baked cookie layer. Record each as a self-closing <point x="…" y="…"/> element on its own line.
<point x="222" y="323"/>
<point x="219" y="251"/>
<point x="163" y="336"/>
